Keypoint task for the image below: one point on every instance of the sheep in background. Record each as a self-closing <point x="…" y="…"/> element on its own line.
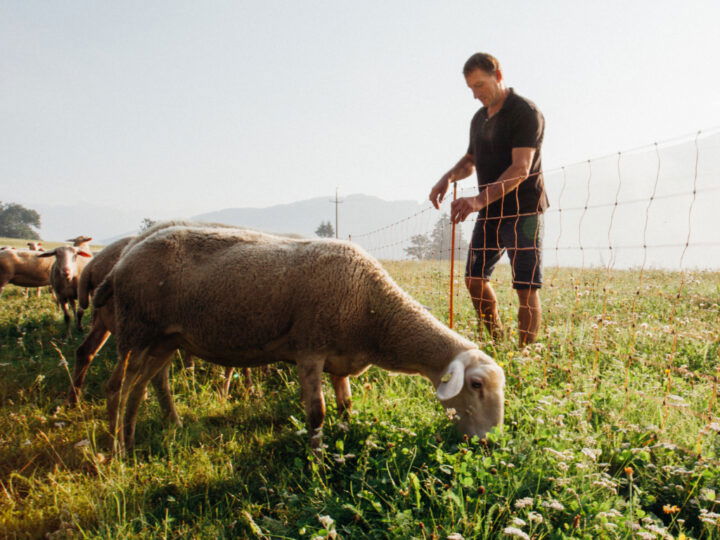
<point x="23" y="268"/>
<point x="64" y="280"/>
<point x="242" y="298"/>
<point x="35" y="246"/>
<point x="81" y="241"/>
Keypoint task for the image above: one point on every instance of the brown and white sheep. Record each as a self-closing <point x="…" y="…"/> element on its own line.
<point x="64" y="280"/>
<point x="243" y="298"/>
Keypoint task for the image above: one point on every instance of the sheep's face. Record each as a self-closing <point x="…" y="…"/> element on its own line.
<point x="66" y="260"/>
<point x="474" y="386"/>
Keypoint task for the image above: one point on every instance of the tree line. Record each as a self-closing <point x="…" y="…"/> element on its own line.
<point x="437" y="244"/>
<point x="16" y="221"/>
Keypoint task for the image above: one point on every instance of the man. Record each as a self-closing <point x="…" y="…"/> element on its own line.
<point x="505" y="140"/>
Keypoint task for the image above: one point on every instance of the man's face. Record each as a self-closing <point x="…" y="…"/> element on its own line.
<point x="485" y="87"/>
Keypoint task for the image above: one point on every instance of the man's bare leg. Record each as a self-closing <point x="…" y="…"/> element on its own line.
<point x="485" y="302"/>
<point x="529" y="315"/>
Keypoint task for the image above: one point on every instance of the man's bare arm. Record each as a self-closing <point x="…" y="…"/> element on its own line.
<point x="462" y="169"/>
<point x="509" y="180"/>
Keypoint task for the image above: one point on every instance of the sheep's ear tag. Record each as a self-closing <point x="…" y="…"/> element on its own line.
<point x="84" y="253"/>
<point x="452" y="381"/>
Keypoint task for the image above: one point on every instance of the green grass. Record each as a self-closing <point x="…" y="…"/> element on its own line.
<point x="610" y="431"/>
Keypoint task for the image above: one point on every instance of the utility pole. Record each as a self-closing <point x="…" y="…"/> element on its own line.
<point x="337" y="202"/>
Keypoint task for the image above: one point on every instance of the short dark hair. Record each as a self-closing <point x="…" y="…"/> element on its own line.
<point x="487" y="62"/>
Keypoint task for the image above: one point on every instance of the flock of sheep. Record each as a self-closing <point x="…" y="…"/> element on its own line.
<point x="242" y="298"/>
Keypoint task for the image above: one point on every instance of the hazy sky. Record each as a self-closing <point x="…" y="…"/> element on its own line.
<point x="177" y="108"/>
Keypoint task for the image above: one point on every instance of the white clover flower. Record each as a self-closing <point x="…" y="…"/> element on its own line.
<point x="524" y="502"/>
<point x="609" y="526"/>
<point x="646" y="535"/>
<point x="553" y="504"/>
<point x="608" y="484"/>
<point x="592" y="453"/>
<point x="326" y="521"/>
<point x="659" y="531"/>
<point x="708" y="517"/>
<point x="535" y="517"/>
<point x="567" y="455"/>
<point x="451" y="413"/>
<point x="455" y="536"/>
<point x="515" y="533"/>
<point x="563" y="466"/>
<point x="517" y="522"/>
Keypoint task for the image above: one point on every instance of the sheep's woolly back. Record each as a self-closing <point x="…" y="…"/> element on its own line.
<point x="172" y="223"/>
<point x="238" y="292"/>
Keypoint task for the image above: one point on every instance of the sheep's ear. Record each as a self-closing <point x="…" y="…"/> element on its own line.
<point x="452" y="380"/>
<point x="47" y="254"/>
<point x="84" y="253"/>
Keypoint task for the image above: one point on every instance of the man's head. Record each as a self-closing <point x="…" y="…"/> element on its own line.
<point x="484" y="77"/>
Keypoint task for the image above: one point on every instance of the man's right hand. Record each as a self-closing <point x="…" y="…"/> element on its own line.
<point x="437" y="193"/>
<point x="462" y="169"/>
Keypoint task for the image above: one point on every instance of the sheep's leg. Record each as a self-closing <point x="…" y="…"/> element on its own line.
<point x="140" y="372"/>
<point x="188" y="361"/>
<point x="84" y="356"/>
<point x="310" y="371"/>
<point x="78" y="318"/>
<point x="73" y="308"/>
<point x="115" y="411"/>
<point x="343" y="395"/>
<point x="66" y="317"/>
<point x="38" y="291"/>
<point x="227" y="381"/>
<point x="161" y="382"/>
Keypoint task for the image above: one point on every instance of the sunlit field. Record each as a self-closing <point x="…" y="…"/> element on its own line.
<point x="611" y="431"/>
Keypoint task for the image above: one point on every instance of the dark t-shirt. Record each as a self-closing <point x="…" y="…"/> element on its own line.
<point x="518" y="124"/>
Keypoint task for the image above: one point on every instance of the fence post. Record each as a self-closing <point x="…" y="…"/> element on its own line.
<point x="452" y="265"/>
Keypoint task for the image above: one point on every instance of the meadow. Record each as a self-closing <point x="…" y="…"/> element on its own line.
<point x="611" y="431"/>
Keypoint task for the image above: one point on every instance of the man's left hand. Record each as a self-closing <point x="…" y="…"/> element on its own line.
<point x="463" y="207"/>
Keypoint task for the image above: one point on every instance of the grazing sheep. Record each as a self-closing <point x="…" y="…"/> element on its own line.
<point x="243" y="298"/>
<point x="23" y="268"/>
<point x="64" y="280"/>
<point x="35" y="246"/>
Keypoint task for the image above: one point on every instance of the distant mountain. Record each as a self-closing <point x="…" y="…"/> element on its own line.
<point x="357" y="214"/>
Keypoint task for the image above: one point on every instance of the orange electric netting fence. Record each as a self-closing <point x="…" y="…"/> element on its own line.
<point x="631" y="280"/>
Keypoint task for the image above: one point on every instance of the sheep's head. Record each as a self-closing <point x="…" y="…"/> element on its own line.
<point x="474" y="386"/>
<point x="66" y="259"/>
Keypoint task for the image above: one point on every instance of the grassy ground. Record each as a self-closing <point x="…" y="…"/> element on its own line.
<point x="611" y="431"/>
